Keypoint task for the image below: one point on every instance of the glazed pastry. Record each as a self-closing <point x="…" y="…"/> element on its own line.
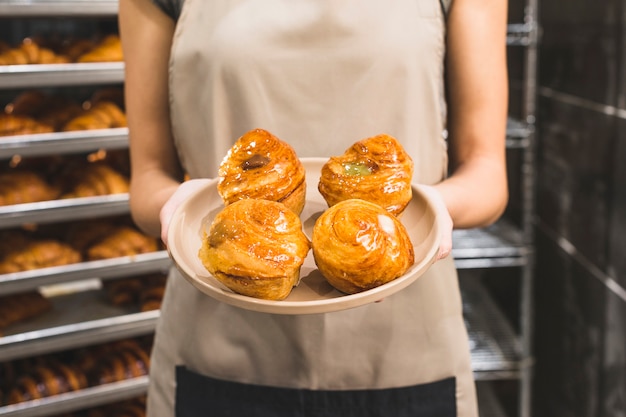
<point x="261" y="166"/>
<point x="22" y="186"/>
<point x="122" y="241"/>
<point x="37" y="254"/>
<point x="46" y="380"/>
<point x="107" y="50"/>
<point x="101" y="115"/>
<point x="16" y="308"/>
<point x="11" y="125"/>
<point x="255" y="248"/>
<point x="29" y="52"/>
<point x="95" y="179"/>
<point x="376" y="169"/>
<point x="357" y="245"/>
<point x="124" y="361"/>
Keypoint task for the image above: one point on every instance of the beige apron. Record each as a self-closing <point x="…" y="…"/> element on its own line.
<point x="319" y="75"/>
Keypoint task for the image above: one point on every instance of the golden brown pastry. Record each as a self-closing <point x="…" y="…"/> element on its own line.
<point x="358" y="245"/>
<point x="29" y="52"/>
<point x="46" y="380"/>
<point x="22" y="186"/>
<point x="124" y="361"/>
<point x="37" y="254"/>
<point x="255" y="248"/>
<point x="16" y="308"/>
<point x="101" y="115"/>
<point x="11" y="125"/>
<point x="375" y="169"/>
<point x="95" y="179"/>
<point x="261" y="166"/>
<point x="122" y="241"/>
<point x="107" y="50"/>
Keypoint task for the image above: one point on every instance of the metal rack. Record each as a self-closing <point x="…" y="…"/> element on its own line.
<point x="498" y="352"/>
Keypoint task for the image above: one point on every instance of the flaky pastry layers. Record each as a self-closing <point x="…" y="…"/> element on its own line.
<point x="375" y="169"/>
<point x="358" y="245"/>
<point x="261" y="166"/>
<point x="255" y="248"/>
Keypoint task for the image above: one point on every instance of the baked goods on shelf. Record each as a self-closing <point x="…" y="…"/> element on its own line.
<point x="16" y="308"/>
<point x="25" y="186"/>
<point x="101" y="115"/>
<point x="109" y="49"/>
<point x="29" y="52"/>
<point x="93" y="179"/>
<point x="255" y="248"/>
<point x="126" y="360"/>
<point x="358" y="245"/>
<point x="46" y="380"/>
<point x="146" y="291"/>
<point x="37" y="50"/>
<point x="375" y="169"/>
<point x="260" y="165"/>
<point x="121" y="241"/>
<point x="40" y="253"/>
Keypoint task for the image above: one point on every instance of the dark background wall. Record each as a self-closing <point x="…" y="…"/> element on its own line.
<point x="580" y="279"/>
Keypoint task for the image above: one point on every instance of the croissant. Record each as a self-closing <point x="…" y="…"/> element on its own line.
<point x="127" y="360"/>
<point x="255" y="248"/>
<point x="28" y="52"/>
<point x="122" y="241"/>
<point x="46" y="380"/>
<point x="22" y="306"/>
<point x="375" y="169"/>
<point x="95" y="179"/>
<point x="358" y="245"/>
<point x="259" y="165"/>
<point x="108" y="50"/>
<point x="11" y="125"/>
<point x="102" y="115"/>
<point x="22" y="186"/>
<point x="42" y="253"/>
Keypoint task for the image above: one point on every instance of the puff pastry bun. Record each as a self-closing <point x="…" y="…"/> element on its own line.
<point x="358" y="245"/>
<point x="375" y="169"/>
<point x="255" y="248"/>
<point x="261" y="166"/>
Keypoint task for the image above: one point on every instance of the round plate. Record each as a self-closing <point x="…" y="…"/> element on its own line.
<point x="313" y="294"/>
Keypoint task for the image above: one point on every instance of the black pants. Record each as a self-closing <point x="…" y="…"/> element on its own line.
<point x="201" y="396"/>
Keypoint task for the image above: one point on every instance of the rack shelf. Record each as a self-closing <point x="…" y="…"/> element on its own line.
<point x="53" y="75"/>
<point x="42" y="144"/>
<point x="108" y="268"/>
<point x="65" y="8"/>
<point x="78" y="400"/>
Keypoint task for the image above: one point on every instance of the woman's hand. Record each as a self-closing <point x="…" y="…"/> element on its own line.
<point x="443" y="218"/>
<point x="181" y="194"/>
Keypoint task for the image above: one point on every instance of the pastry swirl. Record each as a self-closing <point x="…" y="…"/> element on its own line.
<point x="261" y="166"/>
<point x="255" y="248"/>
<point x="357" y="245"/>
<point x="375" y="169"/>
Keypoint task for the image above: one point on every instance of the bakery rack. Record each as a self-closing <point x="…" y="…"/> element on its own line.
<point x="498" y="351"/>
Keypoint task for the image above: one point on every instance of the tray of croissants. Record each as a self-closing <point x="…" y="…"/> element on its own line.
<point x="281" y="234"/>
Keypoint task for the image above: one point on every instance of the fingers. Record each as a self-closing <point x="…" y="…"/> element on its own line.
<point x="443" y="218"/>
<point x="184" y="191"/>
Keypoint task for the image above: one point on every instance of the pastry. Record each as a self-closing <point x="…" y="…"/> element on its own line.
<point x="46" y="380"/>
<point x="43" y="253"/>
<point x="261" y="166"/>
<point x="29" y="52"/>
<point x="16" y="308"/>
<point x="11" y="125"/>
<point x="121" y="241"/>
<point x="23" y="186"/>
<point x="255" y="248"/>
<point x="101" y="115"/>
<point x="125" y="361"/>
<point x="107" y="50"/>
<point x="357" y="245"/>
<point x="94" y="179"/>
<point x="375" y="169"/>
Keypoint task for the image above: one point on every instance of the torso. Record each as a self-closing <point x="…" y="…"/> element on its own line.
<point x="319" y="75"/>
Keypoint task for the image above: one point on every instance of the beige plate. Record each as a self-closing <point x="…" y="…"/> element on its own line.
<point x="313" y="294"/>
